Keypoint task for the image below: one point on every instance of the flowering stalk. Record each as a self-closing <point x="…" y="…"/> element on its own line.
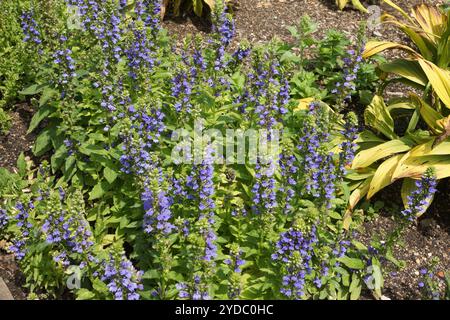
<point x="417" y="202"/>
<point x="429" y="283"/>
<point x="142" y="130"/>
<point x="157" y="201"/>
<point x="264" y="189"/>
<point x="203" y="183"/>
<point x="294" y="251"/>
<point x="65" y="66"/>
<point x="197" y="290"/>
<point x="121" y="278"/>
<point x="66" y="228"/>
<point x="318" y="164"/>
<point x="235" y="263"/>
<point x="202" y="237"/>
<point x="4" y="219"/>
<point x="224" y="29"/>
<point x="289" y="169"/>
<point x="30" y="28"/>
<point x="350" y="134"/>
<point x="344" y="89"/>
<point x="18" y="247"/>
<point x="420" y="198"/>
<point x="140" y="50"/>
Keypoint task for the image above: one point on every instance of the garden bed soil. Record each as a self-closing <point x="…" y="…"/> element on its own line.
<point x="10" y="273"/>
<point x="421" y="242"/>
<point x="17" y="140"/>
<point x="259" y="21"/>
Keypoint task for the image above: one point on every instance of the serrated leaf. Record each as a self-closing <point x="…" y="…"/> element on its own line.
<point x="99" y="190"/>
<point x="43" y="143"/>
<point x="22" y="165"/>
<point x="110" y="174"/>
<point x="84" y="294"/>
<point x="352" y="263"/>
<point x="33" y="89"/>
<point x="40" y="115"/>
<point x="355" y="288"/>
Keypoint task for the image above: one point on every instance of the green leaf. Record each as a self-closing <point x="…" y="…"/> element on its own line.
<point x="89" y="148"/>
<point x="43" y="143"/>
<point x="99" y="190"/>
<point x="334" y="215"/>
<point x="33" y="89"/>
<point x="40" y="115"/>
<point x="355" y="288"/>
<point x="110" y="174"/>
<point x="58" y="158"/>
<point x="47" y="94"/>
<point x="22" y="165"/>
<point x="99" y="286"/>
<point x="85" y="294"/>
<point x="353" y="263"/>
<point x="378" y="277"/>
<point x="151" y="274"/>
<point x="358" y="245"/>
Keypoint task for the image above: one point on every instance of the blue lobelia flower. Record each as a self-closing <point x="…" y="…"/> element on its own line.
<point x="419" y="200"/>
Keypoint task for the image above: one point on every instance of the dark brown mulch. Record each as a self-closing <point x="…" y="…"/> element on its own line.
<point x="17" y="140"/>
<point x="417" y="248"/>
<point x="10" y="273"/>
<point x="261" y="20"/>
<point x="419" y="244"/>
